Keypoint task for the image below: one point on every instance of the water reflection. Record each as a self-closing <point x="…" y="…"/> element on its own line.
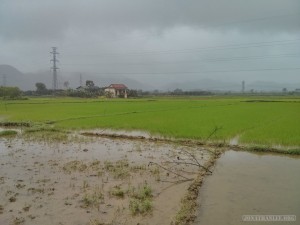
<point x="250" y="184"/>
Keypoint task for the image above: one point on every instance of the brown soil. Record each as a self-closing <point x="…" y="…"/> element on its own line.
<point x="97" y="180"/>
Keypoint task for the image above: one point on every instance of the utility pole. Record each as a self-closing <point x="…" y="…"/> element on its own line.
<point x="80" y="81"/>
<point x="4" y="80"/>
<point x="54" y="68"/>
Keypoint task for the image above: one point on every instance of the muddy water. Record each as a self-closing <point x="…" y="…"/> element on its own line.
<point x="131" y="133"/>
<point x="250" y="184"/>
<point x="48" y="182"/>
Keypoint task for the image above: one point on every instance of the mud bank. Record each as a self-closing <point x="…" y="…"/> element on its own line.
<point x="14" y="124"/>
<point x="233" y="143"/>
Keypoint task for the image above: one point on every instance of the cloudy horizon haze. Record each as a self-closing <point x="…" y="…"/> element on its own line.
<point x="155" y="42"/>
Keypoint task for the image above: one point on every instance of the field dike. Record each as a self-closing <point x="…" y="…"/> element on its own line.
<point x="233" y="144"/>
<point x="47" y="131"/>
<point x="15" y="124"/>
<point x="187" y="213"/>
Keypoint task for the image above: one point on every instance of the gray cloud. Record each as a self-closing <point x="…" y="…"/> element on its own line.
<point x="51" y="19"/>
<point x="86" y="31"/>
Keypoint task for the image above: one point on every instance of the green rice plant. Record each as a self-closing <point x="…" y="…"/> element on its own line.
<point x="85" y="185"/>
<point x="144" y="192"/>
<point x="96" y="222"/>
<point x="119" y="169"/>
<point x="293" y="151"/>
<point x="141" y="200"/>
<point x="117" y="192"/>
<point x="92" y="199"/>
<point x="142" y="207"/>
<point x="8" y="133"/>
<point x="41" y="128"/>
<point x="36" y="190"/>
<point x="155" y="171"/>
<point x="135" y="168"/>
<point x="75" y="166"/>
<point x="108" y="165"/>
<point x="266" y="120"/>
<point x="26" y="207"/>
<point x="134" y="206"/>
<point x="18" y="221"/>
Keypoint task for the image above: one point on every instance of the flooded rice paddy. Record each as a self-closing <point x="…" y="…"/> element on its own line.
<point x="250" y="184"/>
<point x="96" y="180"/>
<point x="93" y="181"/>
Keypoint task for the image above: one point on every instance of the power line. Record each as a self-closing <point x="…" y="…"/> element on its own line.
<point x="188" y="61"/>
<point x="196" y="72"/>
<point x="220" y="47"/>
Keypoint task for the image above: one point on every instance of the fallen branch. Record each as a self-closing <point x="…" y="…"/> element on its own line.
<point x="193" y="164"/>
<point x="215" y="130"/>
<point x="177" y="174"/>
<point x="194" y="160"/>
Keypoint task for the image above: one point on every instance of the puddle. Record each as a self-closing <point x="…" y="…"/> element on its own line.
<point x="55" y="182"/>
<point x="234" y="140"/>
<point x="250" y="184"/>
<point x="133" y="133"/>
<point x="10" y="128"/>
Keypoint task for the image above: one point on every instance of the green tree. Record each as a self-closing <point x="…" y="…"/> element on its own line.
<point x="41" y="88"/>
<point x="10" y="92"/>
<point x="132" y="93"/>
<point x="66" y="84"/>
<point x="89" y="83"/>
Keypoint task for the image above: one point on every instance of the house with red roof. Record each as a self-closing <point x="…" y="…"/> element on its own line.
<point x="116" y="91"/>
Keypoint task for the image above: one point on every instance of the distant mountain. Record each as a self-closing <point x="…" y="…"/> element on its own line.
<point x="204" y="84"/>
<point x="271" y="86"/>
<point x="10" y="76"/>
<point x="103" y="81"/>
<point x="26" y="81"/>
<point x="216" y="85"/>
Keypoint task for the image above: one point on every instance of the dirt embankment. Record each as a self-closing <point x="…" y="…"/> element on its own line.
<point x="233" y="144"/>
<point x="14" y="124"/>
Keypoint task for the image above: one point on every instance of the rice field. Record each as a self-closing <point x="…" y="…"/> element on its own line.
<point x="252" y="120"/>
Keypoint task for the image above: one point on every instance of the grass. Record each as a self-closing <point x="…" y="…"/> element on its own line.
<point x="75" y="165"/>
<point x="6" y="133"/>
<point x="92" y="199"/>
<point x="117" y="192"/>
<point x="141" y="200"/>
<point x="97" y="222"/>
<point x="119" y="169"/>
<point x="18" y="221"/>
<point x="256" y="120"/>
<point x="140" y="206"/>
<point x="289" y="151"/>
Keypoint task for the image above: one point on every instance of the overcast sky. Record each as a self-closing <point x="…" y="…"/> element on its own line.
<point x="155" y="41"/>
